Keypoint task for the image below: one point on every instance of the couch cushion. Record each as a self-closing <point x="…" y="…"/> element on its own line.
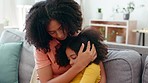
<point x="9" y="62"/>
<point x="123" y="66"/>
<point x="26" y="61"/>
<point x="11" y="35"/>
<point x="145" y="71"/>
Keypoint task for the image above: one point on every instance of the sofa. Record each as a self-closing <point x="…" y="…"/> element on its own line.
<point x="26" y="59"/>
<point x="128" y="63"/>
<point x="124" y="63"/>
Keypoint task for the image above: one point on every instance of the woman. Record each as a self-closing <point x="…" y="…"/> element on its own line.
<point x="48" y="24"/>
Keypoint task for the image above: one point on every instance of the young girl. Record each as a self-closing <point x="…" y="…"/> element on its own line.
<point x="91" y="74"/>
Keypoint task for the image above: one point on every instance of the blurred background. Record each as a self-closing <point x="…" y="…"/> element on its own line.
<point x="13" y="12"/>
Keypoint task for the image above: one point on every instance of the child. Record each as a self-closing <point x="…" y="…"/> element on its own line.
<point x="91" y="74"/>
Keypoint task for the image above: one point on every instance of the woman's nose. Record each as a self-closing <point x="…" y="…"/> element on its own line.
<point x="59" y="34"/>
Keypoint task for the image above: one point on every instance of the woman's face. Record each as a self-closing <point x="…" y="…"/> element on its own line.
<point x="71" y="56"/>
<point x="55" y="30"/>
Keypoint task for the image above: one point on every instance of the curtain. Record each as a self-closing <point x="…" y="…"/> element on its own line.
<point x="8" y="12"/>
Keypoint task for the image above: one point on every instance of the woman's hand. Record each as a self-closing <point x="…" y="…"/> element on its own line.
<point x="84" y="58"/>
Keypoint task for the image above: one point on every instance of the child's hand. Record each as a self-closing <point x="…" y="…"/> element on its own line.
<point x="84" y="58"/>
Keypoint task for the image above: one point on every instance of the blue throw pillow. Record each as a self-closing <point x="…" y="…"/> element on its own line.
<point x="9" y="62"/>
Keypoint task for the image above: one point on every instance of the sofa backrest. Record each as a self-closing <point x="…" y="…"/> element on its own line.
<point x="26" y="60"/>
<point x="143" y="50"/>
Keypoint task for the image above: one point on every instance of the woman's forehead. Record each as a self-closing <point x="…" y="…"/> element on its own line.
<point x="53" y="25"/>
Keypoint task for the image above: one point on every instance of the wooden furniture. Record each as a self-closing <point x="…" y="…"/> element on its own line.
<point x="141" y="34"/>
<point x="110" y="29"/>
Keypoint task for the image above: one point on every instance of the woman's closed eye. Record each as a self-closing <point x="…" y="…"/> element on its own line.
<point x="52" y="32"/>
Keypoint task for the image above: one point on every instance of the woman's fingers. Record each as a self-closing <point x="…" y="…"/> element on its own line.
<point x="88" y="46"/>
<point x="89" y="52"/>
<point x="93" y="52"/>
<point x="81" y="48"/>
<point x="89" y="55"/>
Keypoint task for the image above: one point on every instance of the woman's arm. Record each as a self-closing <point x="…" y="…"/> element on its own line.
<point x="103" y="74"/>
<point x="45" y="74"/>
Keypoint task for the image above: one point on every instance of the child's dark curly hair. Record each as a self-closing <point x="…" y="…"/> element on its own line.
<point x="75" y="43"/>
<point x="66" y="12"/>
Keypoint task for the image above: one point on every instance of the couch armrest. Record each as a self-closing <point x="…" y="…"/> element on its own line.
<point x="123" y="66"/>
<point x="145" y="71"/>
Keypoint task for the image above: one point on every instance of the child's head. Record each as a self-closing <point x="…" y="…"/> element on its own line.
<point x="75" y="43"/>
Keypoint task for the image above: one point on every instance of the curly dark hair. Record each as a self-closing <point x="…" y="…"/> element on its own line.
<point x="66" y="12"/>
<point x="75" y="43"/>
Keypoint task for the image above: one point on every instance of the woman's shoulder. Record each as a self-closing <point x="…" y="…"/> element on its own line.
<point x="52" y="45"/>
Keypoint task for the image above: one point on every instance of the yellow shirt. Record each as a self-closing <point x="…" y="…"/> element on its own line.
<point x="90" y="74"/>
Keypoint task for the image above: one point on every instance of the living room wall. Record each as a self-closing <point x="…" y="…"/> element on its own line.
<point x="140" y="13"/>
<point x="8" y="12"/>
